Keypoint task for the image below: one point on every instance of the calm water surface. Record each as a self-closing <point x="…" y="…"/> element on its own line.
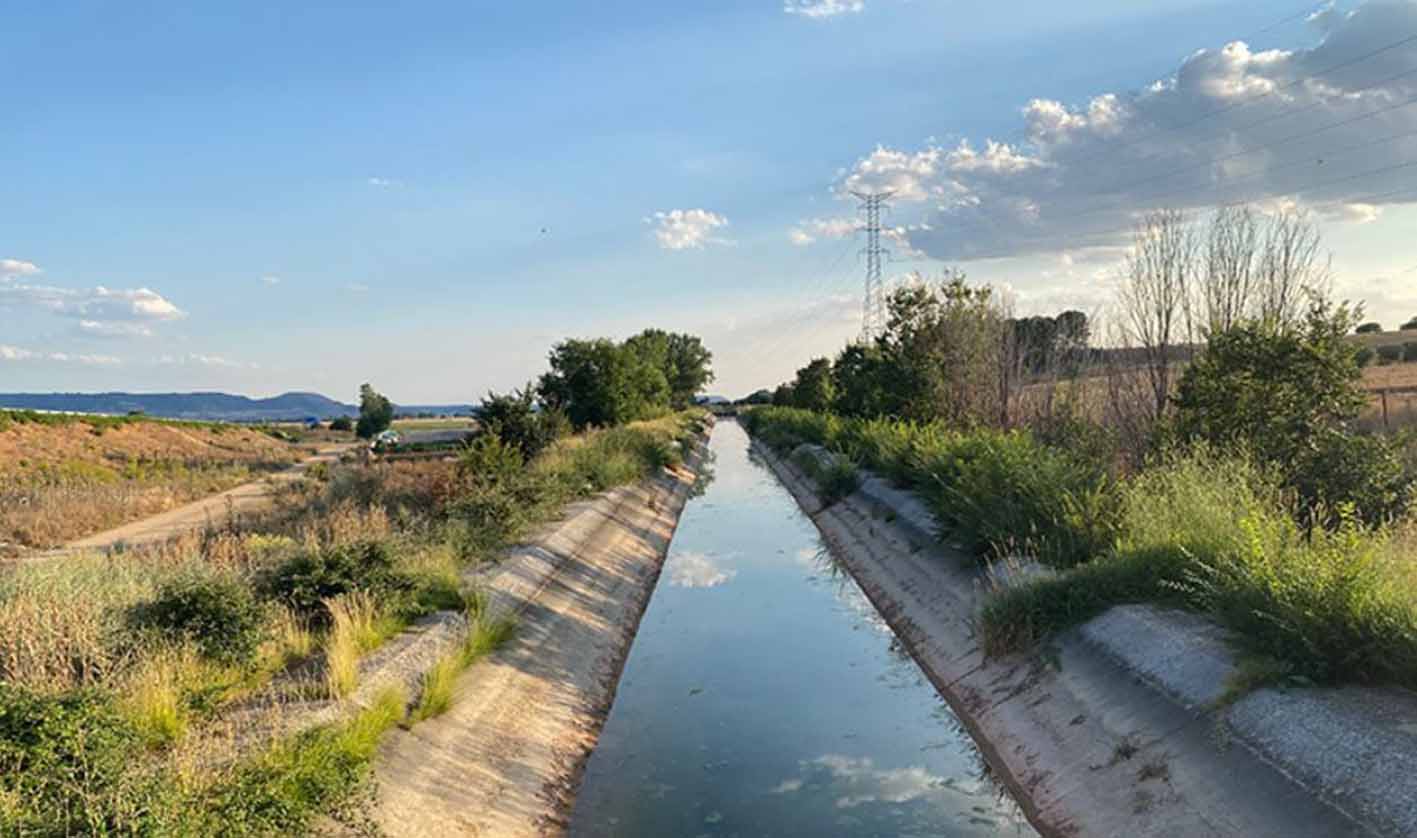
<point x="765" y="697"/>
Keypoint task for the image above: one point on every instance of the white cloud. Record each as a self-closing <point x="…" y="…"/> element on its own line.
<point x="813" y="229"/>
<point x="10" y="268"/>
<point x="15" y="353"/>
<point x="383" y="182"/>
<point x="270" y="280"/>
<point x="697" y="570"/>
<point x="109" y="329"/>
<point x="687" y="229"/>
<point x="1324" y="127"/>
<point x="99" y="303"/>
<point x="822" y="8"/>
<point x="198" y="359"/>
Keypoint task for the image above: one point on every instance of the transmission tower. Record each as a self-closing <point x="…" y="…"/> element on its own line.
<point x="873" y="306"/>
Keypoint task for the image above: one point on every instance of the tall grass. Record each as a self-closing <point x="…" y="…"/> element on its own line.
<point x="998" y="493"/>
<point x="357" y="626"/>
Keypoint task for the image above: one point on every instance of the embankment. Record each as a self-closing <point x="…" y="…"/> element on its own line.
<point x="506" y="759"/>
<point x="1116" y="728"/>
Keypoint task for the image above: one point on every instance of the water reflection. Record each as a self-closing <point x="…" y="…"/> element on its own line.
<point x="765" y="696"/>
<point x="697" y="570"/>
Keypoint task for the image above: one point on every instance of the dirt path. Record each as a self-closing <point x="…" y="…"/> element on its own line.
<point x="215" y="510"/>
<point x="507" y="758"/>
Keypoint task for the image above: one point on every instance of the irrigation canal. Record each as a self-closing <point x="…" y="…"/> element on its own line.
<point x="763" y="695"/>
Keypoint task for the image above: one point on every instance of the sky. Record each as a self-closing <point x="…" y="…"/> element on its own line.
<point x="268" y="196"/>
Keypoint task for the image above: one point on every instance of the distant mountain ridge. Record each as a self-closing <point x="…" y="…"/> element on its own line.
<point x="209" y="405"/>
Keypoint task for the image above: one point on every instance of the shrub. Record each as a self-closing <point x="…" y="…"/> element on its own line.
<point x="303" y="583"/>
<point x="219" y="615"/>
<point x="1389" y="353"/>
<point x="1409" y="350"/>
<point x="1003" y="491"/>
<point x="1365" y="356"/>
<point x="1410" y="325"/>
<point x="1362" y="474"/>
<point x="514" y="419"/>
<point x="69" y="764"/>
<point x="1369" y="329"/>
<point x="341" y="423"/>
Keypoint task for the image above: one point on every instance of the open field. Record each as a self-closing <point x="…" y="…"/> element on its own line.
<point x="69" y="476"/>
<point x="447" y="423"/>
<point x="181" y="668"/>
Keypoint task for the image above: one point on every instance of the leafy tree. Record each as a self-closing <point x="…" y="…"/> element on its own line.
<point x="376" y="413"/>
<point x="942" y="352"/>
<point x="341" y="423"/>
<point x="1410" y="325"/>
<point x="1369" y="329"/>
<point x="1365" y="356"/>
<point x="1287" y="395"/>
<point x="1273" y="389"/>
<point x="758" y="397"/>
<point x="601" y="383"/>
<point x="812" y="388"/>
<point x="858" y="381"/>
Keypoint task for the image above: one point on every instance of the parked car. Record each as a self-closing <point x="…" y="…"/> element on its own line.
<point x="385" y="441"/>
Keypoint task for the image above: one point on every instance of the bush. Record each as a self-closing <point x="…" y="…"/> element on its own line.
<point x="1365" y="356"/>
<point x="1363" y="474"/>
<point x="304" y="582"/>
<point x="69" y="765"/>
<point x="1369" y="329"/>
<point x="1410" y="325"/>
<point x="514" y="419"/>
<point x="220" y="616"/>
<point x="1409" y="350"/>
<point x="341" y="423"/>
<point x="1389" y="353"/>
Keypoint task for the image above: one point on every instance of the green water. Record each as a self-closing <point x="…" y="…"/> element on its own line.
<point x="765" y="697"/>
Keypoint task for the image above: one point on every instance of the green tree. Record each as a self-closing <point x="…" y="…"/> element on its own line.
<point x="1287" y="395"/>
<point x="858" y="382"/>
<point x="1368" y="329"/>
<point x="601" y="383"/>
<point x="376" y="413"/>
<point x="812" y="389"/>
<point x="942" y="352"/>
<point x="692" y="369"/>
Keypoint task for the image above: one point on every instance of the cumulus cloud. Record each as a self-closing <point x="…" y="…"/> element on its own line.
<point x="697" y="570"/>
<point x="687" y="229"/>
<point x="1328" y="127"/>
<point x="11" y="268"/>
<point x="98" y="304"/>
<point x="813" y="229"/>
<point x="17" y="354"/>
<point x="820" y="9"/>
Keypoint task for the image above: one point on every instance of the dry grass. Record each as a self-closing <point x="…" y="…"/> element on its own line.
<point x="358" y="627"/>
<point x="60" y="480"/>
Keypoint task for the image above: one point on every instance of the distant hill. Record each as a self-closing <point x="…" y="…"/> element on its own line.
<point x="214" y="406"/>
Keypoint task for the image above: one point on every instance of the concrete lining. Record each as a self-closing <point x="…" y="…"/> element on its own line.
<point x="1110" y="730"/>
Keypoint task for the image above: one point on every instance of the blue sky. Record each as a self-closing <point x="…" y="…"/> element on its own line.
<point x="274" y="196"/>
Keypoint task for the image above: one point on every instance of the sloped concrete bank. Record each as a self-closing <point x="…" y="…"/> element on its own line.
<point x="1113" y="729"/>
<point x="506" y="759"/>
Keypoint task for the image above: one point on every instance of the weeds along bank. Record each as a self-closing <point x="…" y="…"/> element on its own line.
<point x="64" y="476"/>
<point x="145" y="693"/>
<point x="1323" y="600"/>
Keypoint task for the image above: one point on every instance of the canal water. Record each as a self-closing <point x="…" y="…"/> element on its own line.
<point x="763" y="695"/>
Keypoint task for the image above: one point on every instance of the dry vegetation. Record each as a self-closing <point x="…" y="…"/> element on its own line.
<point x="149" y="692"/>
<point x="63" y="477"/>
